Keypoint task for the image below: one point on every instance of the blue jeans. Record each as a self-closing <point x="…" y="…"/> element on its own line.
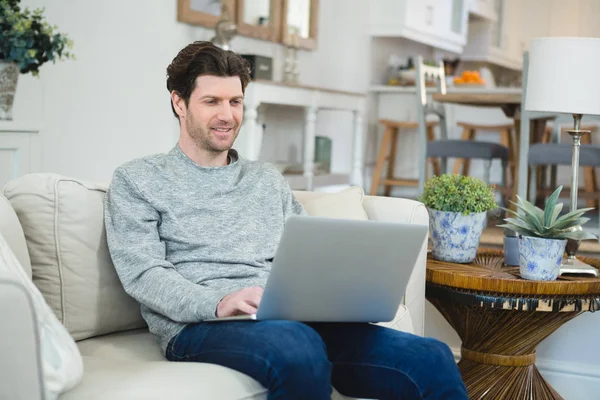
<point x="294" y="360"/>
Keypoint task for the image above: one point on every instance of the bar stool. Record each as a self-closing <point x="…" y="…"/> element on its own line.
<point x="389" y="144"/>
<point x="506" y="139"/>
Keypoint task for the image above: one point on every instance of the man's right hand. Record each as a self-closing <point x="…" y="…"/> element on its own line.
<point x="242" y="302"/>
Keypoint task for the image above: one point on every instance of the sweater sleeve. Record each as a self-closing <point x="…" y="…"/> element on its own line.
<point x="139" y="257"/>
<point x="291" y="206"/>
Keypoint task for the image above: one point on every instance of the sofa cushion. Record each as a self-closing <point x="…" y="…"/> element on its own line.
<point x="136" y="356"/>
<point x="61" y="363"/>
<point x="112" y="379"/>
<point x="12" y="231"/>
<point x="136" y="345"/>
<point x="345" y="204"/>
<point x="63" y="223"/>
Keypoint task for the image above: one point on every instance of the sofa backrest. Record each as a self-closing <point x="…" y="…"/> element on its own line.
<point x="63" y="224"/>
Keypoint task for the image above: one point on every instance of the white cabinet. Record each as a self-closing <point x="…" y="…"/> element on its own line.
<point x="438" y="23"/>
<point x="19" y="150"/>
<point x="498" y="42"/>
<point x="484" y="9"/>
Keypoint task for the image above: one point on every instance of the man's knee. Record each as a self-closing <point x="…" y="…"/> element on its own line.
<point x="297" y="343"/>
<point x="300" y="364"/>
<point x="440" y="353"/>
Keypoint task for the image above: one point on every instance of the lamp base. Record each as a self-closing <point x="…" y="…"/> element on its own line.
<point x="571" y="265"/>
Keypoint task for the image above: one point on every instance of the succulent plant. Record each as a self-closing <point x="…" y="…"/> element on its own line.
<point x="533" y="221"/>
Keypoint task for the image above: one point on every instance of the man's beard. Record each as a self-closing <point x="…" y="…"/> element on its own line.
<point x="203" y="138"/>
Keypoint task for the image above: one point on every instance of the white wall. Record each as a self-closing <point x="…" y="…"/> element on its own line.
<point x="112" y="105"/>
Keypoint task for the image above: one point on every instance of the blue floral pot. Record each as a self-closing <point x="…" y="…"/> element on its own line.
<point x="455" y="237"/>
<point x="539" y="258"/>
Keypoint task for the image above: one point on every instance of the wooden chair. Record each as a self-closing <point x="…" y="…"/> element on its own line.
<point x="445" y="148"/>
<point x="387" y="151"/>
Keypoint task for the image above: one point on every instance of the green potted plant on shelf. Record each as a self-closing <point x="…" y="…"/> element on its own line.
<point x="543" y="235"/>
<point x="27" y="42"/>
<point x="457" y="208"/>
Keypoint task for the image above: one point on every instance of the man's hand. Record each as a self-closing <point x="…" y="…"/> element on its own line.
<point x="243" y="301"/>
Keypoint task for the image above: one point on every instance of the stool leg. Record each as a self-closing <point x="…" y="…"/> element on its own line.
<point x="444" y="165"/>
<point x="460" y="162"/>
<point x="434" y="161"/>
<point x="391" y="161"/>
<point x="505" y="189"/>
<point x="387" y="136"/>
<point x="487" y="166"/>
<point x="507" y="141"/>
<point x="533" y="186"/>
<point x="467" y="161"/>
<point x="553" y="175"/>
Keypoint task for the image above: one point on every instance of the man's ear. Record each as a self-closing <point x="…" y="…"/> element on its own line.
<point x="178" y="104"/>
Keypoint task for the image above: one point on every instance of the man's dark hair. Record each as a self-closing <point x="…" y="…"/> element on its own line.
<point x="203" y="58"/>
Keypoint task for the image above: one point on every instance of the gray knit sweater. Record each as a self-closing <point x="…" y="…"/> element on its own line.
<point x="182" y="236"/>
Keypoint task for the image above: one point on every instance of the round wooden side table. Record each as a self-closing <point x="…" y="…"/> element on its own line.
<point x="501" y="318"/>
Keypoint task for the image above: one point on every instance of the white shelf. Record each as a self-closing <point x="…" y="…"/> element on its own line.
<point x="19" y="126"/>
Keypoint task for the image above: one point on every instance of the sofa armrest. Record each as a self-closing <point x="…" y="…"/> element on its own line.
<point x="20" y="364"/>
<point x="405" y="211"/>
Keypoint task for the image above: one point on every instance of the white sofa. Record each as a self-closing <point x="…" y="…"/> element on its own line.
<point x="54" y="225"/>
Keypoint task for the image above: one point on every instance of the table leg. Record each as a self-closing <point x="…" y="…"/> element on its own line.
<point x="356" y="176"/>
<point x="498" y="351"/>
<point x="249" y="141"/>
<point x="310" y="128"/>
<point x="519" y="165"/>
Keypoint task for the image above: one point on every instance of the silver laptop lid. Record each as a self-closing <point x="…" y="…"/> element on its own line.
<point x="340" y="270"/>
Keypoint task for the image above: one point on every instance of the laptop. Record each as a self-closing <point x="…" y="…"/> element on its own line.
<point x="339" y="270"/>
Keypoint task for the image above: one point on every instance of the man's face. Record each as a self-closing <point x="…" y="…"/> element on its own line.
<point x="215" y="111"/>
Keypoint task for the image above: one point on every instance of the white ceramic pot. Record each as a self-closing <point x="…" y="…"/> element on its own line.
<point x="455" y="237"/>
<point x="539" y="258"/>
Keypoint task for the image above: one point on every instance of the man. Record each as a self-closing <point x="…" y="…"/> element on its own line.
<point x="192" y="234"/>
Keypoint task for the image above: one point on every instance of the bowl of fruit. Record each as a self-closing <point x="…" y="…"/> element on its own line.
<point x="469" y="79"/>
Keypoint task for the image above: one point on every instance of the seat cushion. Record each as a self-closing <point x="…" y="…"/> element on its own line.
<point x="135" y="345"/>
<point x="129" y="365"/>
<point x="110" y="379"/>
<point x="562" y="154"/>
<point x="63" y="222"/>
<point x="466" y="149"/>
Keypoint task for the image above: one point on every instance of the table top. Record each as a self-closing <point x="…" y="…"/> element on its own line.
<point x="487" y="273"/>
<point x="479" y="99"/>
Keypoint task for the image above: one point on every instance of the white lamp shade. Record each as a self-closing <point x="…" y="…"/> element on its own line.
<point x="564" y="75"/>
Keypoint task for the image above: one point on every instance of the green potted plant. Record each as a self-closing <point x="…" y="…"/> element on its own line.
<point x="457" y="208"/>
<point x="27" y="42"/>
<point x="543" y="235"/>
